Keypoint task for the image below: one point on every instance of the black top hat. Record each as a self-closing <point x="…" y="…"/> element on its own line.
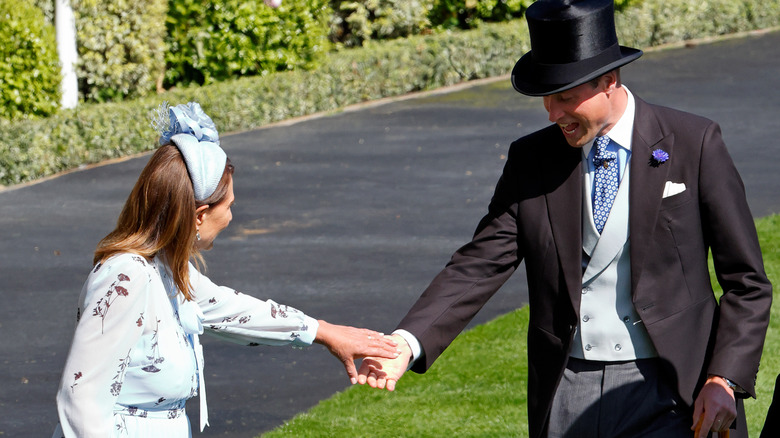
<point x="572" y="42"/>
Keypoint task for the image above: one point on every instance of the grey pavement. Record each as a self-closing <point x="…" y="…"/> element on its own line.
<point x="346" y="216"/>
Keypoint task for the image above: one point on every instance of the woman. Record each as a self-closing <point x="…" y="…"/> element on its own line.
<point x="135" y="357"/>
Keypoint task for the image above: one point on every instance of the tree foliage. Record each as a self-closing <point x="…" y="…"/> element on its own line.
<point x="356" y="21"/>
<point x="30" y="71"/>
<point x="213" y="41"/>
<point x="121" y="47"/>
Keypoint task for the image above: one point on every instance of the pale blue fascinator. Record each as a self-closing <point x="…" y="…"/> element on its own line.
<point x="195" y="135"/>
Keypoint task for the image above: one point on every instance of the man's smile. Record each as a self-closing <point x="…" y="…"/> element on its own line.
<point x="569" y="128"/>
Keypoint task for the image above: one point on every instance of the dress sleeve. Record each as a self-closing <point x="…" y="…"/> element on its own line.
<point x="246" y="320"/>
<point x="109" y="324"/>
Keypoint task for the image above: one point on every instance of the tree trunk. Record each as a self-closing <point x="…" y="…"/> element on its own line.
<point x="65" y="24"/>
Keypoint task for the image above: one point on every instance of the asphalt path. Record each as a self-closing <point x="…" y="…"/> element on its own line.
<point x="346" y="216"/>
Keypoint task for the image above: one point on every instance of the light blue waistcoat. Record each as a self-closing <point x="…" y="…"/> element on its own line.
<point x="609" y="328"/>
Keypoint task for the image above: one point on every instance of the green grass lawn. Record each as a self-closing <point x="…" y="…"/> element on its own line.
<point x="769" y="235"/>
<point x="478" y="386"/>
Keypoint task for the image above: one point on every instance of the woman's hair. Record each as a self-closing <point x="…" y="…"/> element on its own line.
<point x="158" y="218"/>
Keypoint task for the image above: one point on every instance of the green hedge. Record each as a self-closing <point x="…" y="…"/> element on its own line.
<point x="120" y="45"/>
<point x="91" y="133"/>
<point x="467" y="14"/>
<point x="215" y="41"/>
<point x="651" y="22"/>
<point x="354" y="22"/>
<point x="30" y="69"/>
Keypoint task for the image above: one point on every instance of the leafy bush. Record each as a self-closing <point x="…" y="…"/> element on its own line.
<point x="621" y="5"/>
<point x="120" y="45"/>
<point x="466" y="14"/>
<point x="47" y="6"/>
<point x="30" y="149"/>
<point x="91" y="133"/>
<point x="30" y="69"/>
<point x="356" y="21"/>
<point x="214" y="41"/>
<point x="651" y="23"/>
<point x="87" y="134"/>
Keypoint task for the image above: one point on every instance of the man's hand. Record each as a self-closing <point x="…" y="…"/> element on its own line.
<point x="381" y="372"/>
<point x="715" y="407"/>
<point x="350" y="343"/>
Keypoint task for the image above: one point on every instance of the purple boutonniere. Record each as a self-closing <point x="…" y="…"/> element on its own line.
<point x="658" y="157"/>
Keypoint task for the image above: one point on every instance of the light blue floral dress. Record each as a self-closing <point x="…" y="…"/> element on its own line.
<point x="135" y="357"/>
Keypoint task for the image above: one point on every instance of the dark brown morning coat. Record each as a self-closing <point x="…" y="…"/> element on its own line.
<point x="535" y="215"/>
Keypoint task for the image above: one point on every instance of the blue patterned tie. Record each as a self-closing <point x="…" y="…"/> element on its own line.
<point x="606" y="182"/>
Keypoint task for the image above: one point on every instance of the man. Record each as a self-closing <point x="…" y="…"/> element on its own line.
<point x="772" y="420"/>
<point x="614" y="209"/>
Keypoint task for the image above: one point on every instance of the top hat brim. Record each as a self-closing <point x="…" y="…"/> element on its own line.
<point x="531" y="79"/>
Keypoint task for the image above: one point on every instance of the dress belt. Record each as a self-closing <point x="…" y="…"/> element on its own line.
<point x="166" y="413"/>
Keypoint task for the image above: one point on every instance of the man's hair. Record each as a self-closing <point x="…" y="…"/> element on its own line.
<point x="158" y="218"/>
<point x="595" y="81"/>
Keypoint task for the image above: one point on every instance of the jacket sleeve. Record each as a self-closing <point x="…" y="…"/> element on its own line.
<point x="730" y="232"/>
<point x="474" y="273"/>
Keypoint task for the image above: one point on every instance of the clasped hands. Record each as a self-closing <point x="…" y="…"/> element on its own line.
<point x="350" y="343"/>
<point x="383" y="372"/>
<point x="385" y="357"/>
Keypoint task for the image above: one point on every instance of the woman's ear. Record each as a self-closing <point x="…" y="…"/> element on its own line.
<point x="200" y="214"/>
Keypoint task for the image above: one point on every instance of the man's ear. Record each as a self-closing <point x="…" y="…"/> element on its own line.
<point x="610" y="81"/>
<point x="200" y="214"/>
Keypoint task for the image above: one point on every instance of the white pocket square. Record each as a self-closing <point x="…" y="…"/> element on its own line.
<point x="671" y="189"/>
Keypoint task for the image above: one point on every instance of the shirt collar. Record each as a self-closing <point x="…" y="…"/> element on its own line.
<point x="623" y="130"/>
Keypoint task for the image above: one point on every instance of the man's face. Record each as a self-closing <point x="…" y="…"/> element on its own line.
<point x="583" y="112"/>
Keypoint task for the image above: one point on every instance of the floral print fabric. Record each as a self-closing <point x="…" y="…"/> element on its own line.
<point x="132" y="366"/>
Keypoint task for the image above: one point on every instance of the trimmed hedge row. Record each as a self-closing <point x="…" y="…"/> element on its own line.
<point x="90" y="133"/>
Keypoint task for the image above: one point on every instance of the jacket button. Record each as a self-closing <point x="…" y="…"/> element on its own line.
<point x="618" y="347"/>
<point x="586" y="318"/>
<point x="626" y="319"/>
<point x="588" y="347"/>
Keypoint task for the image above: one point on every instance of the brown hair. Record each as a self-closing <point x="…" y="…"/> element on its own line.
<point x="158" y="218"/>
<point x="595" y="81"/>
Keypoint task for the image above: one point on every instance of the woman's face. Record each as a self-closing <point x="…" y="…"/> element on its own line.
<point x="213" y="219"/>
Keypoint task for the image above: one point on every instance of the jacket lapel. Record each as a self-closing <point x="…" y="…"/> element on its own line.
<point x="563" y="185"/>
<point x="647" y="183"/>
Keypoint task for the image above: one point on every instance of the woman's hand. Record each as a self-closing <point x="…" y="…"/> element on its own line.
<point x="350" y="343"/>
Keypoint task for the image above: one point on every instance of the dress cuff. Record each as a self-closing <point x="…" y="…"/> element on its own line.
<point x="308" y="330"/>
